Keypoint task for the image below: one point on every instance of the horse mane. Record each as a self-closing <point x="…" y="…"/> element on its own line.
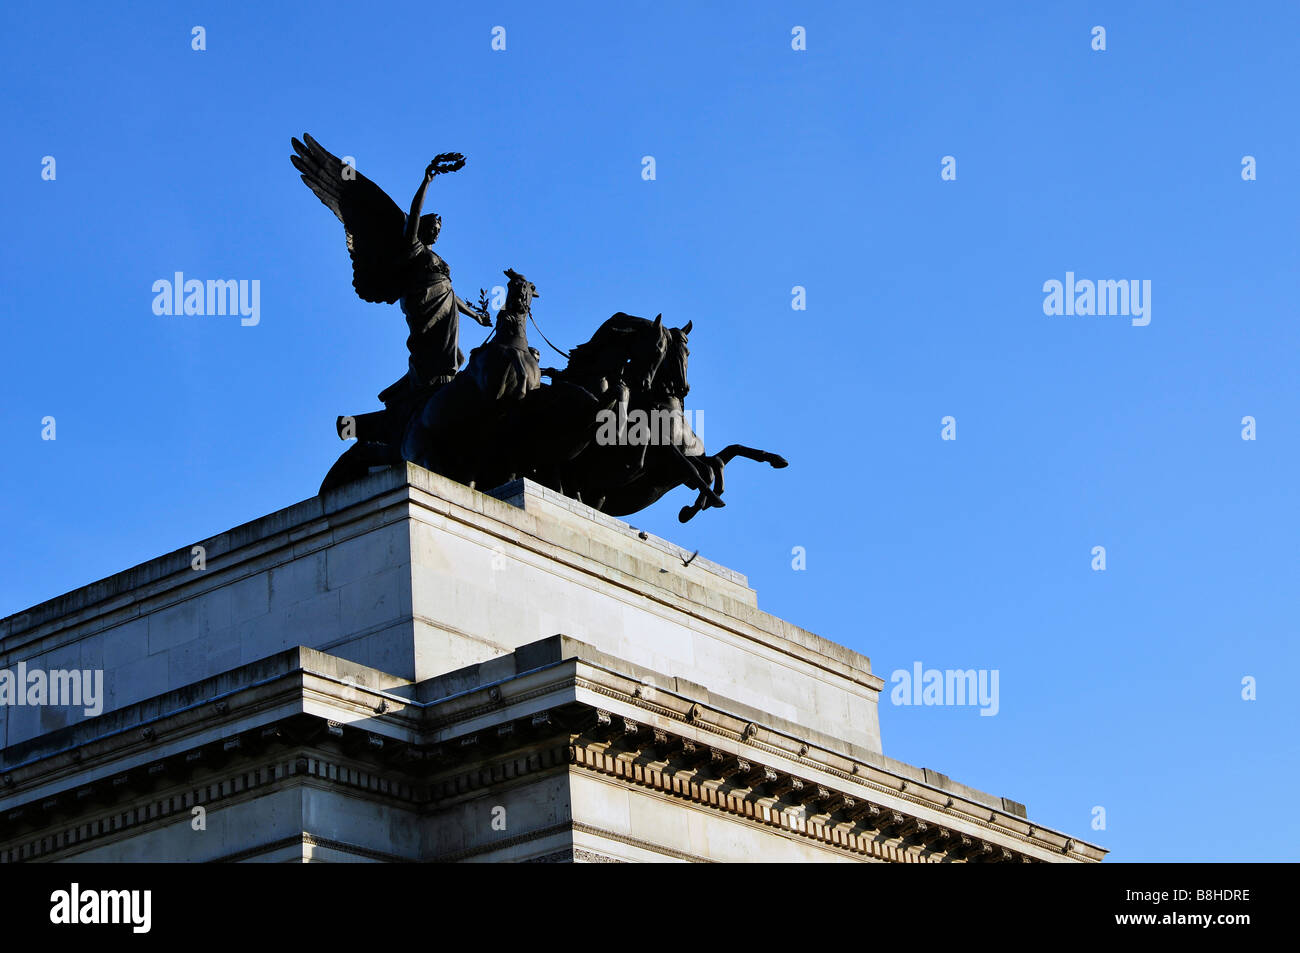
<point x="613" y="327"/>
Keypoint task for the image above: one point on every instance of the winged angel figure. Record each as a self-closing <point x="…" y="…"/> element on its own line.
<point x="393" y="261"/>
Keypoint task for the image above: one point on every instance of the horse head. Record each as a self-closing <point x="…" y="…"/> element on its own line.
<point x="649" y="344"/>
<point x="670" y="379"/>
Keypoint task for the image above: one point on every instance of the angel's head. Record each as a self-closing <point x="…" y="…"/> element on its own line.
<point x="430" y="226"/>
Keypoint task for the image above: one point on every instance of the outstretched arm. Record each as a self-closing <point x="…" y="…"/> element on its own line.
<point x="467" y="309"/>
<point x="417" y="205"/>
<point x="444" y="162"/>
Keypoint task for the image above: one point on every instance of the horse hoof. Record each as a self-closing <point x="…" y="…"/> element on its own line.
<point x="708" y="498"/>
<point x="779" y="463"/>
<point x="684" y="515"/>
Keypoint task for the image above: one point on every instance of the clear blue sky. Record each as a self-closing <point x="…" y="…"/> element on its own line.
<point x="775" y="168"/>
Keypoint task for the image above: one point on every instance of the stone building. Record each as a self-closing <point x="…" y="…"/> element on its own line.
<point x="406" y="669"/>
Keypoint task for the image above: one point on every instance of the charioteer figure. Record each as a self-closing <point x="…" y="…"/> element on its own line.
<point x="504" y="366"/>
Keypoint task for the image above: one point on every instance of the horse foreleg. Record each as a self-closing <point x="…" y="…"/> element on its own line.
<point x="686" y="513"/>
<point x="691" y="476"/>
<point x="727" y="454"/>
<point x="717" y="463"/>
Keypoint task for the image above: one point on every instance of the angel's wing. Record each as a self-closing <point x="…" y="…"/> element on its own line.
<point x="374" y="224"/>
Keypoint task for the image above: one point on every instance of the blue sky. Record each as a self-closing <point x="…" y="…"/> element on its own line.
<point x="775" y="168"/>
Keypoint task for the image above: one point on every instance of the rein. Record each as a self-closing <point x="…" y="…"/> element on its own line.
<point x="544" y="337"/>
<point x="539" y="331"/>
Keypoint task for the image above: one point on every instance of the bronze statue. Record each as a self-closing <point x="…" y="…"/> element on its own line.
<point x="497" y="420"/>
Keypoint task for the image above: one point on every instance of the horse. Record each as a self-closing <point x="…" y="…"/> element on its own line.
<point x="624" y="477"/>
